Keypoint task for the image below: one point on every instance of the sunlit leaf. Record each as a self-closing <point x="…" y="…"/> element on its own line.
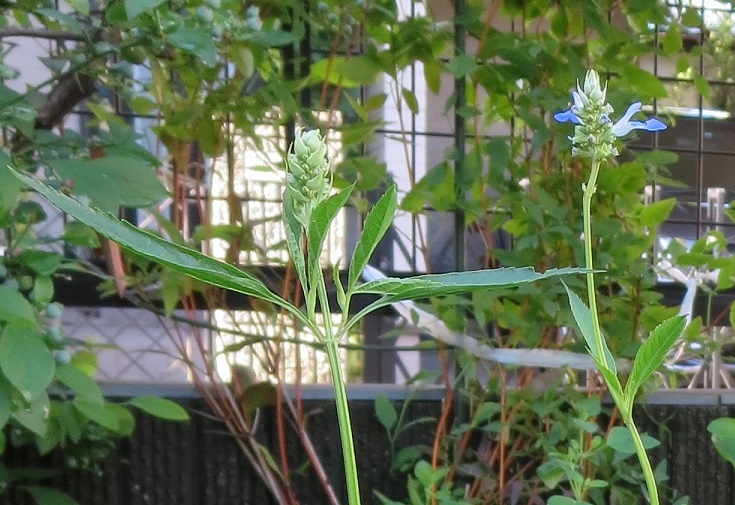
<point x="652" y="353"/>
<point x="425" y="286"/>
<point x="376" y="224"/>
<point x="154" y="248"/>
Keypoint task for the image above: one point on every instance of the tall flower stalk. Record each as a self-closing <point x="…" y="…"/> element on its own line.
<point x="594" y="139"/>
<point x="308" y="185"/>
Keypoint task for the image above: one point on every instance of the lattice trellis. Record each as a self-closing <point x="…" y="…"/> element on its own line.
<point x="132" y="345"/>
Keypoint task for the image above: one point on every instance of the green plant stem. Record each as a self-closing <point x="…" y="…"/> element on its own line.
<point x="625" y="406"/>
<point x="340" y="397"/>
<point x="589" y="191"/>
<point x="642" y="458"/>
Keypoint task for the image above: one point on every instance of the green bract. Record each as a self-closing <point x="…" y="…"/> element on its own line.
<point x="309" y="179"/>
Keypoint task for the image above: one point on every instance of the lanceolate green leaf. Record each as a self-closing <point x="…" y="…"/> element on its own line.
<point x="584" y="320"/>
<point x="156" y="249"/>
<point x="612" y="381"/>
<point x="652" y="353"/>
<point x="376" y="224"/>
<point x="294" y="239"/>
<point x="425" y="286"/>
<point x="321" y="217"/>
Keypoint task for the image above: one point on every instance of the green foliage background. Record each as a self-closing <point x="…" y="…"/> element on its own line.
<point x="225" y="66"/>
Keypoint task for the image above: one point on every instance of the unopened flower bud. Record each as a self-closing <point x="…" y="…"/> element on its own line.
<point x="309" y="179"/>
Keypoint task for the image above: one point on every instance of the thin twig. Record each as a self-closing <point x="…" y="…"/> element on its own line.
<point x="40" y="33"/>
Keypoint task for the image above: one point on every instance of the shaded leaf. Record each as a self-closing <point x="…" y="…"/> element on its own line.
<point x="645" y="82"/>
<point x="385" y="412"/>
<point x="4" y="408"/>
<point x="564" y="500"/>
<point x="723" y="437"/>
<point x="462" y="65"/>
<point x="48" y="496"/>
<point x="691" y="18"/>
<point x="15" y="309"/>
<point x="133" y="8"/>
<point x="362" y="70"/>
<point x="268" y="37"/>
<point x="83" y="385"/>
<point x="98" y="413"/>
<point x="160" y="407"/>
<point x="9" y="185"/>
<point x="41" y="262"/>
<point x="33" y="416"/>
<point x="621" y="441"/>
<point x="583" y="318"/>
<point x="125" y="419"/>
<point x="26" y="361"/>
<point x="196" y="42"/>
<point x="80" y="6"/>
<point x="410" y="99"/>
<point x="113" y="181"/>
<point x="43" y="289"/>
<point x="551" y="473"/>
<point x="656" y="213"/>
<point x="79" y="234"/>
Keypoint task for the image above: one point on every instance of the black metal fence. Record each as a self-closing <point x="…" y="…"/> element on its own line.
<point x="197" y="463"/>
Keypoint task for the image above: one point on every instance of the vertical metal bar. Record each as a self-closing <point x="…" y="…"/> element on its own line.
<point x="415" y="221"/>
<point x="700" y="132"/>
<point x="460" y="135"/>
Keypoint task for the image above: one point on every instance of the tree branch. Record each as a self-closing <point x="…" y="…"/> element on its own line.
<point x="70" y="90"/>
<point x="40" y="33"/>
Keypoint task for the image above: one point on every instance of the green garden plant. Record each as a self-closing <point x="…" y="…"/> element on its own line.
<point x="49" y="399"/>
<point x="522" y="71"/>
<point x="594" y="139"/>
<point x="309" y="213"/>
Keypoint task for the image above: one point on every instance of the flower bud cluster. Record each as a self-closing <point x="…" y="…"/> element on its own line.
<point x="593" y="134"/>
<point x="309" y="179"/>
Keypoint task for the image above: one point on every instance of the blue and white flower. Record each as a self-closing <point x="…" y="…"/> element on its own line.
<point x="595" y="133"/>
